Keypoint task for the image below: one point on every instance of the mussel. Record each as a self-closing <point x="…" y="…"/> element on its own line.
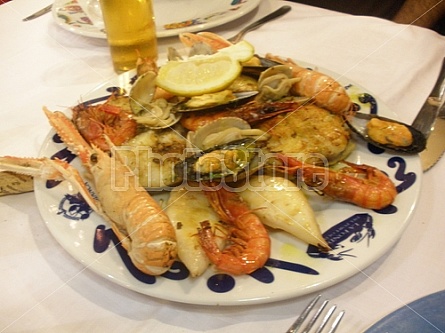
<point x="229" y="162"/>
<point x="262" y="65"/>
<point x="387" y="133"/>
<point x="238" y="98"/>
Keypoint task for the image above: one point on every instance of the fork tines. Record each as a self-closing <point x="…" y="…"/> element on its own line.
<point x="301" y="319"/>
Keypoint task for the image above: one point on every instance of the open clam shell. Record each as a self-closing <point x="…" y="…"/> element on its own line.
<point x="147" y="112"/>
<point x="142" y="92"/>
<point x="358" y="124"/>
<point x="222" y="131"/>
<point x="216" y="133"/>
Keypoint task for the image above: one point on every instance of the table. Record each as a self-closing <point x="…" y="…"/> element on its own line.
<point x="45" y="290"/>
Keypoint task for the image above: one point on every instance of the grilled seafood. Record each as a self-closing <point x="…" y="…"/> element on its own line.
<point x="186" y="208"/>
<point x="231" y="234"/>
<point x="228" y="162"/>
<point x="361" y="185"/>
<point x="111" y="119"/>
<point x="252" y="112"/>
<point x="152" y="154"/>
<point x="275" y="83"/>
<point x="138" y="221"/>
<point x="222" y="131"/>
<point x="310" y="130"/>
<point x="249" y="246"/>
<point x="150" y="108"/>
<point x="326" y="91"/>
<point x="280" y="204"/>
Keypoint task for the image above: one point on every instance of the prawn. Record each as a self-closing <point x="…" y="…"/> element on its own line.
<point x="95" y="122"/>
<point x="249" y="246"/>
<point x="141" y="225"/>
<point x="252" y="112"/>
<point x="326" y="92"/>
<point x="362" y="185"/>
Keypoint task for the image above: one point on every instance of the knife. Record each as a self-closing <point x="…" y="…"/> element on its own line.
<point x="435" y="146"/>
<point x="430" y="122"/>
<point x="39" y="13"/>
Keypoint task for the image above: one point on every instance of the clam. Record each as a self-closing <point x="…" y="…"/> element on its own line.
<point x="275" y="83"/>
<point x="228" y="162"/>
<point x="222" y="131"/>
<point x="387" y="133"/>
<point x="142" y="92"/>
<point x="154" y="114"/>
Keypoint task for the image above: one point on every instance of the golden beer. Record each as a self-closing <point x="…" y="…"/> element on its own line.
<point x="131" y="31"/>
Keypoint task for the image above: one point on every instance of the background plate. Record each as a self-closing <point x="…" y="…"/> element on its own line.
<point x="172" y="16"/>
<point x="426" y="315"/>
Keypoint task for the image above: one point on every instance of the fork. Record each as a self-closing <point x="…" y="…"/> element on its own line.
<point x="279" y="12"/>
<point x="300" y="320"/>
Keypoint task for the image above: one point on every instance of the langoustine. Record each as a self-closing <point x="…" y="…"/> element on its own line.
<point x="142" y="227"/>
<point x="326" y="92"/>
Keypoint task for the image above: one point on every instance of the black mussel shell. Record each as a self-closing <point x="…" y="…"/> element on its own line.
<point x="358" y="125"/>
<point x="255" y="71"/>
<point x="245" y="148"/>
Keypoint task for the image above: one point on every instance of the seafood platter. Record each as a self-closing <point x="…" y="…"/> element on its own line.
<point x="245" y="186"/>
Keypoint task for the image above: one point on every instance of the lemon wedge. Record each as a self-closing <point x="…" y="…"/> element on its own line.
<point x="241" y="51"/>
<point x="203" y="74"/>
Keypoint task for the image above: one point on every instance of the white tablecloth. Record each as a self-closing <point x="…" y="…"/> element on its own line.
<point x="43" y="289"/>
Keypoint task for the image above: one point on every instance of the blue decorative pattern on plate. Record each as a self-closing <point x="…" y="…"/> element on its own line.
<point x="358" y="236"/>
<point x="425" y="315"/>
<point x="172" y="16"/>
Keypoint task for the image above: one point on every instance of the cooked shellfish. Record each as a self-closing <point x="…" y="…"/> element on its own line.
<point x="387" y="133"/>
<point x="222" y="131"/>
<point x="228" y="162"/>
<point x="150" y="112"/>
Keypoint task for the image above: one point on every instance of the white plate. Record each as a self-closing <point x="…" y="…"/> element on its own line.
<point x="172" y="16"/>
<point x="360" y="236"/>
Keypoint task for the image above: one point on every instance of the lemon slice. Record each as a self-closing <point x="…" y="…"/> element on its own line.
<point x="198" y="75"/>
<point x="241" y="51"/>
<point x="203" y="74"/>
